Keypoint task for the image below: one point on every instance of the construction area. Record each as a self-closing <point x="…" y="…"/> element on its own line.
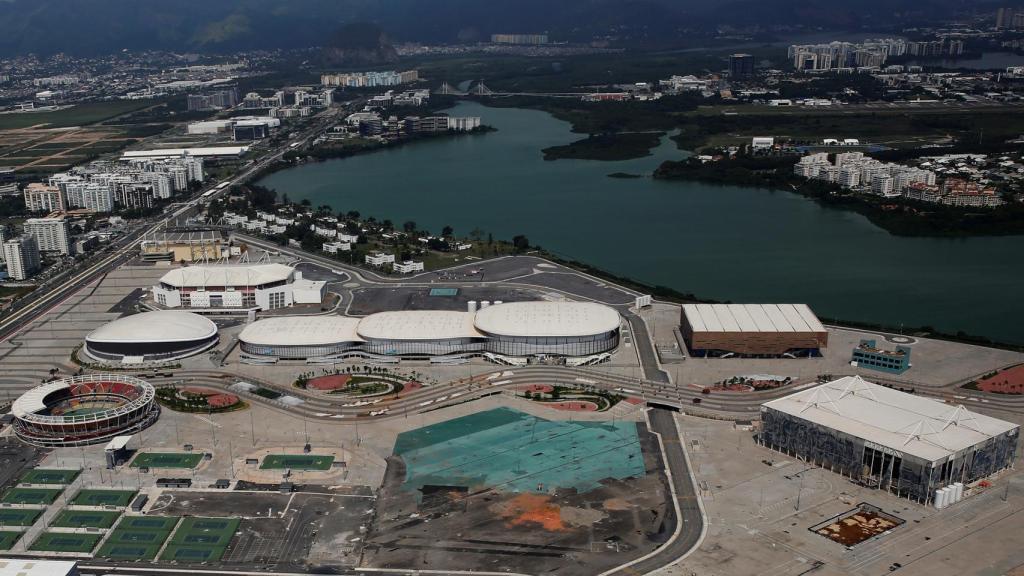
<point x="505" y="490"/>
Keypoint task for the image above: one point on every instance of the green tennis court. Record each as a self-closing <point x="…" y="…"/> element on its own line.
<point x="65" y="542"/>
<point x="18" y="495"/>
<point x="151" y="523"/>
<point x="7" y="539"/>
<point x="19" y="516"/>
<point x="200" y="539"/>
<point x="296" y="462"/>
<point x="137" y="538"/>
<point x="94" y="497"/>
<point x="49" y="476"/>
<point x="167" y="460"/>
<point x="85" y="519"/>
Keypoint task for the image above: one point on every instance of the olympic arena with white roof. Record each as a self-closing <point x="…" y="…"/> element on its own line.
<point x="236" y="286"/>
<point x="152" y="337"/>
<point x="571" y="329"/>
<point x="752" y="330"/>
<point x="84" y="409"/>
<point x="888" y="439"/>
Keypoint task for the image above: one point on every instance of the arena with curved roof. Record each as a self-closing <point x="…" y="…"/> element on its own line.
<point x="152" y="337"/>
<point x="570" y="329"/>
<point x="84" y="409"/>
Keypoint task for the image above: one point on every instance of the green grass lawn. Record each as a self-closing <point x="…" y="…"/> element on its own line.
<point x="78" y="115"/>
<point x="167" y="460"/>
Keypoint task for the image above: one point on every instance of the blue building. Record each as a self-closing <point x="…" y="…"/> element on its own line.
<point x="868" y="355"/>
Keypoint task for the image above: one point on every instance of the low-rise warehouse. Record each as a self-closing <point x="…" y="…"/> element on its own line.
<point x="752" y="330"/>
<point x="887" y="439"/>
<point x="516" y="329"/>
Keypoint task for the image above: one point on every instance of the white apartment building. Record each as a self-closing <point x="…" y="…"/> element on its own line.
<point x="407" y="267"/>
<point x="51" y="234"/>
<point x="464" y="124"/>
<point x="380" y="259"/>
<point x="42" y="198"/>
<point x="22" y="256"/>
<point x="335" y="247"/>
<point x="882" y="185"/>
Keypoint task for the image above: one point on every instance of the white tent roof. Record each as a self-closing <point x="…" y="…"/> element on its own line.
<point x="159" y="326"/>
<point x="418" y="325"/>
<point x="752" y="318"/>
<point x="909" y="424"/>
<point x="301" y="331"/>
<point x="227" y="275"/>
<point x="175" y="152"/>
<point x="550" y="319"/>
<point x="31" y="567"/>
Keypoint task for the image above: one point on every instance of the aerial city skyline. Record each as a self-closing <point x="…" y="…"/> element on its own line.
<point x="462" y="287"/>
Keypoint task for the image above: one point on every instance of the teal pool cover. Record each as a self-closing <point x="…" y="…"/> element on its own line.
<point x="513" y="451"/>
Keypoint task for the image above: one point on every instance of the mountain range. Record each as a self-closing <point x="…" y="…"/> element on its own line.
<point x="85" y="27"/>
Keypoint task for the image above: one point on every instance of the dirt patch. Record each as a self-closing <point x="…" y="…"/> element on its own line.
<point x="329" y="383"/>
<point x="1009" y="381"/>
<point x="616" y="504"/>
<point x="537" y="509"/>
<point x="537" y="388"/>
<point x="858" y="525"/>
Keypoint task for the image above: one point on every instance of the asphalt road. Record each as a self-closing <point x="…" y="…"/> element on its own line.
<point x="691" y="517"/>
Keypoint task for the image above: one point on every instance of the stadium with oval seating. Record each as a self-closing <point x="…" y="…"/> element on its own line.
<point x="84" y="409"/>
<point x="159" y="336"/>
<point x="512" y="329"/>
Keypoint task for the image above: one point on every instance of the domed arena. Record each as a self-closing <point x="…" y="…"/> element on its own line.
<point x="158" y="336"/>
<point x="84" y="409"/>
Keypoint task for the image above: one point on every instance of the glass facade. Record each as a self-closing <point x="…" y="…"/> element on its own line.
<point x="879" y="466"/>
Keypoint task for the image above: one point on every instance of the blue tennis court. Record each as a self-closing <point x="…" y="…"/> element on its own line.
<point x="514" y="451"/>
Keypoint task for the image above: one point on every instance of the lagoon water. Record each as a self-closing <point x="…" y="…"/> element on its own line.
<point x="721" y="242"/>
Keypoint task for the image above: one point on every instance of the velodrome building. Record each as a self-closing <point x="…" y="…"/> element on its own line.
<point x="569" y="329"/>
<point x="236" y="287"/>
<point x="158" y="336"/>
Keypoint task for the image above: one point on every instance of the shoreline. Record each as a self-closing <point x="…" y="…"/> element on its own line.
<point x="669" y="294"/>
<point x="897" y="216"/>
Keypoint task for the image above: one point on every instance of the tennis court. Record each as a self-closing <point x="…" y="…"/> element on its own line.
<point x="65" y="542"/>
<point x="94" y="497"/>
<point x="85" y="519"/>
<point x="49" y="476"/>
<point x="7" y="539"/>
<point x="19" y="516"/>
<point x="167" y="460"/>
<point x="513" y="451"/>
<point x="31" y="495"/>
<point x="200" y="539"/>
<point x="296" y="462"/>
<point x="137" y="538"/>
